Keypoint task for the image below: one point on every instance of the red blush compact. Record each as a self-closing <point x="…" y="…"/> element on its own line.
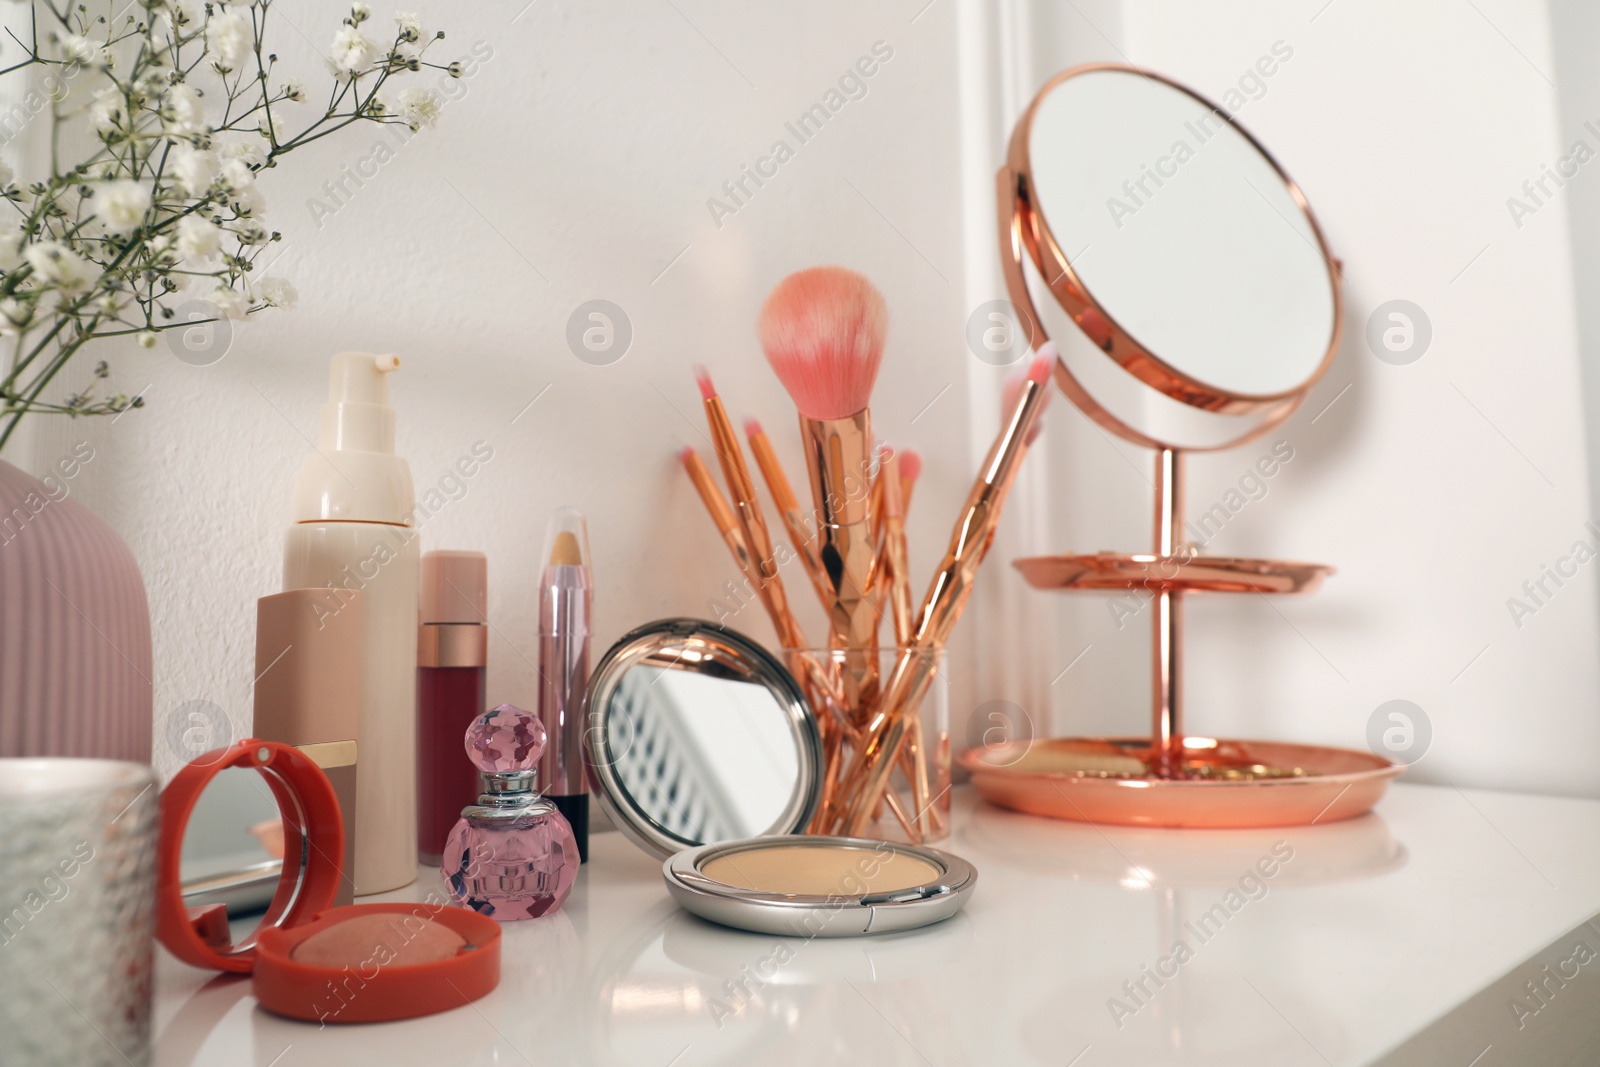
<point x="309" y="960"/>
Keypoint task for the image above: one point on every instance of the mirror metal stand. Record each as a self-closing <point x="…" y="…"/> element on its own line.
<point x="1166" y="632"/>
<point x="1169" y="778"/>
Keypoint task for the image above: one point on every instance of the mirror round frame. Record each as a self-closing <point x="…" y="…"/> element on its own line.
<point x="313" y="853"/>
<point x="723" y="645"/>
<point x="1024" y="231"/>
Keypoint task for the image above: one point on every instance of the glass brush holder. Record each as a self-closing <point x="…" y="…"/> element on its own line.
<point x="915" y="806"/>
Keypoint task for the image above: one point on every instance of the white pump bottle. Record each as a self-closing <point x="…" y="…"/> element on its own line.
<point x="353" y="508"/>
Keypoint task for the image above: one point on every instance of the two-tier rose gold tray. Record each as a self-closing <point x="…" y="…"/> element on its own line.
<point x="1169" y="778"/>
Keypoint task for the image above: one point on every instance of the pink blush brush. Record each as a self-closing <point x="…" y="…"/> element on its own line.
<point x="822" y="330"/>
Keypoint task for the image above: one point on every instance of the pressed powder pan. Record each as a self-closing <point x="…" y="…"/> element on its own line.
<point x="803" y="886"/>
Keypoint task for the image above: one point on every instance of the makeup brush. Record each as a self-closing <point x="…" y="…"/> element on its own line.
<point x="1009" y="391"/>
<point x="894" y="564"/>
<point x="803" y="536"/>
<point x="826" y="699"/>
<point x="822" y="330"/>
<point x="868" y="775"/>
<point x="721" y="515"/>
<point x="804" y="668"/>
<point x="910" y="471"/>
<point x="747" y="509"/>
<point x="897" y="579"/>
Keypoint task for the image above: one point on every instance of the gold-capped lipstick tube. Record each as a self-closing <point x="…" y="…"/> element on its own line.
<point x="566" y="599"/>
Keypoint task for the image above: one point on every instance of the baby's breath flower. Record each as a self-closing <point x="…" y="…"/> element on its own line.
<point x="248" y="151"/>
<point x="84" y="50"/>
<point x="14" y="314"/>
<point x="419" y="108"/>
<point x="230" y="303"/>
<point x="56" y="264"/>
<point x="277" y="292"/>
<point x="195" y="170"/>
<point x="229" y="39"/>
<point x="108" y="110"/>
<point x="198" y="238"/>
<point x="251" y="232"/>
<point x="454" y="69"/>
<point x="353" y="52"/>
<point x="239" y="182"/>
<point x="121" y="205"/>
<point x="181" y="110"/>
<point x="10" y="250"/>
<point x="179" y="14"/>
<point x="162" y="201"/>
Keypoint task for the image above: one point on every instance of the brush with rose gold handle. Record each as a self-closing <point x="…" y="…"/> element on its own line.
<point x="801" y="533"/>
<point x="758" y="542"/>
<point x="867" y="778"/>
<point x="790" y="636"/>
<point x="822" y="331"/>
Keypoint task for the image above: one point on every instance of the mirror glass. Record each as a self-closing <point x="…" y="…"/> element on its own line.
<point x="1125" y="397"/>
<point x="710" y="759"/>
<point x="700" y="737"/>
<point x="1182" y="231"/>
<point x="233" y="850"/>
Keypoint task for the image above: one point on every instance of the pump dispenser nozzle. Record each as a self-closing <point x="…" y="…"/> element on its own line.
<point x="354" y="475"/>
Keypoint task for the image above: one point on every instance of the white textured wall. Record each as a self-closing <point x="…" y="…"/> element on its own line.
<point x="1436" y="488"/>
<point x="577" y="166"/>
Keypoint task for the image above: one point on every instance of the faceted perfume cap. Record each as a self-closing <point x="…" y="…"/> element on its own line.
<point x="453" y="587"/>
<point x="505" y="739"/>
<point x="566" y="539"/>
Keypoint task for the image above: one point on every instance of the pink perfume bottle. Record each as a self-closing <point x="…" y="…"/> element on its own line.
<point x="511" y="855"/>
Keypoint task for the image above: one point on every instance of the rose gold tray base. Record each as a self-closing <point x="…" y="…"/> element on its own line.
<point x="1200" y="574"/>
<point x="1226" y="784"/>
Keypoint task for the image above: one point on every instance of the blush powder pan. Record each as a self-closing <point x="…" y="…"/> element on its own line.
<point x="803" y="886"/>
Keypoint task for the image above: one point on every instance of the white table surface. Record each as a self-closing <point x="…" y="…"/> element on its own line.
<point x="1375" y="929"/>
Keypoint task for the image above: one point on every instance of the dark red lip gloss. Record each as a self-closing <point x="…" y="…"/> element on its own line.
<point x="452" y="657"/>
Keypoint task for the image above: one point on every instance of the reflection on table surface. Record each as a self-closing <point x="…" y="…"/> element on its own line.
<point x="1361" y="934"/>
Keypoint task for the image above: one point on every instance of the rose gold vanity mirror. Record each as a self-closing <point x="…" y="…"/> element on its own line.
<point x="1146" y="217"/>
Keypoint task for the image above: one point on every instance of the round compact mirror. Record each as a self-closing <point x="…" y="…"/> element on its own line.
<point x="434" y="956"/>
<point x="1174" y="242"/>
<point x="233" y="851"/>
<point x="697" y="735"/>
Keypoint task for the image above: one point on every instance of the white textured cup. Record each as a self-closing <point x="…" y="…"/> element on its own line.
<point x="77" y="911"/>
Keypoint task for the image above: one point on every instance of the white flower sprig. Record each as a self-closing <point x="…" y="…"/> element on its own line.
<point x="169" y="196"/>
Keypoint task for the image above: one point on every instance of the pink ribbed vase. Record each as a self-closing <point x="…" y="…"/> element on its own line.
<point x="74" y="630"/>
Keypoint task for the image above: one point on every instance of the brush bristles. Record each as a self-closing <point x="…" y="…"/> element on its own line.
<point x="910" y="465"/>
<point x="752" y="428"/>
<point x="1044" y="363"/>
<point x="1037" y="372"/>
<point x="822" y="330"/>
<point x="702" y="378"/>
